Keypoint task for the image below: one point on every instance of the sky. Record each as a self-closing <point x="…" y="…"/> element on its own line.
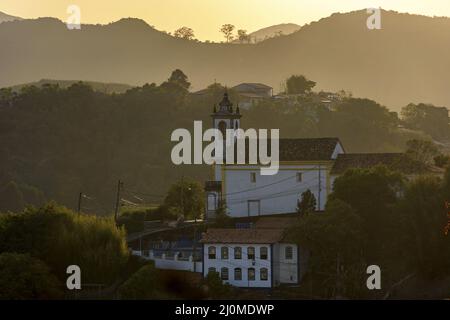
<point x="206" y="16"/>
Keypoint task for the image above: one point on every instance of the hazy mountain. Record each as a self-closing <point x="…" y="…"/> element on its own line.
<point x="6" y="17"/>
<point x="406" y="61"/>
<point x="97" y="86"/>
<point x="273" y="31"/>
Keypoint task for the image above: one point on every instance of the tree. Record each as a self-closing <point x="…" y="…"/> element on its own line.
<point x="178" y="77"/>
<point x="188" y="197"/>
<point x="299" y="85"/>
<point x="95" y="244"/>
<point x="243" y="36"/>
<point x="216" y="288"/>
<point x="227" y="30"/>
<point x="335" y="239"/>
<point x="425" y="216"/>
<point x="421" y="151"/>
<point x="25" y="278"/>
<point x="428" y="118"/>
<point x="184" y="33"/>
<point x="307" y="204"/>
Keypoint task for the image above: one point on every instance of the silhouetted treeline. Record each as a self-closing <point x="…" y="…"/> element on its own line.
<point x="56" y="143"/>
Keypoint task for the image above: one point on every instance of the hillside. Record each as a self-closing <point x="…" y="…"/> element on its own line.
<point x="273" y="31"/>
<point x="6" y="17"/>
<point x="97" y="86"/>
<point x="406" y="61"/>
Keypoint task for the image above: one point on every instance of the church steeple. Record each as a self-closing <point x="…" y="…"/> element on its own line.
<point x="225" y="117"/>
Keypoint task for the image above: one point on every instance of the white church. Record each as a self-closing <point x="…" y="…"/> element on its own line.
<point x="304" y="164"/>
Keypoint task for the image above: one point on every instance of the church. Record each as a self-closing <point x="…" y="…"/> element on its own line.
<point x="304" y="164"/>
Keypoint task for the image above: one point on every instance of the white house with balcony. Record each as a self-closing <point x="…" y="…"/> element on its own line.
<point x="252" y="258"/>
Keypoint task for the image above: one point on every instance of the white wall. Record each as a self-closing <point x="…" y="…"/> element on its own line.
<point x="243" y="263"/>
<point x="288" y="267"/>
<point x="278" y="193"/>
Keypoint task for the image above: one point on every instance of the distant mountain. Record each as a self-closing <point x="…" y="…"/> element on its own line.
<point x="406" y="61"/>
<point x="274" y="31"/>
<point x="97" y="86"/>
<point x="6" y="17"/>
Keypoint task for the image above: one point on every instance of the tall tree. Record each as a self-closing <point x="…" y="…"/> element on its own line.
<point x="227" y="30"/>
<point x="307" y="204"/>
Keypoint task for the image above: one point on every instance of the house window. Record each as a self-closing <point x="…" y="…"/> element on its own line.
<point x="251" y="274"/>
<point x="251" y="253"/>
<point x="238" y="253"/>
<point x="252" y="177"/>
<point x="211" y="252"/>
<point x="263" y="253"/>
<point x="288" y="253"/>
<point x="264" y="274"/>
<point x="299" y="177"/>
<point x="224" y="273"/>
<point x="224" y="253"/>
<point x="237" y="274"/>
<point x="211" y="270"/>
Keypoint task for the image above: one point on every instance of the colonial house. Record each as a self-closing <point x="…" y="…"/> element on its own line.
<point x="257" y="257"/>
<point x="305" y="164"/>
<point x="252" y="93"/>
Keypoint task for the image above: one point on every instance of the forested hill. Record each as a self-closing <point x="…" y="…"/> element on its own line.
<point x="406" y="61"/>
<point x="56" y="143"/>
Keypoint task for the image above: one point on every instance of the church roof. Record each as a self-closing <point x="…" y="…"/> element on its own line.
<point x="307" y="149"/>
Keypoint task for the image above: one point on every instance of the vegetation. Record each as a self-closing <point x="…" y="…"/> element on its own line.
<point x="25" y="278"/>
<point x="184" y="33"/>
<point x="60" y="238"/>
<point x="307" y="204"/>
<point x="56" y="142"/>
<point x="299" y="85"/>
<point x="375" y="217"/>
<point x="187" y="198"/>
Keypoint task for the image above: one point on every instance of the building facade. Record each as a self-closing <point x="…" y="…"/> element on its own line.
<point x="250" y="258"/>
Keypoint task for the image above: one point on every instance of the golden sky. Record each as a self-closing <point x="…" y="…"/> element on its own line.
<point x="206" y="16"/>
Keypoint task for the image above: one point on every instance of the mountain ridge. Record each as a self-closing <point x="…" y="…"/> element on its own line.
<point x="406" y="61"/>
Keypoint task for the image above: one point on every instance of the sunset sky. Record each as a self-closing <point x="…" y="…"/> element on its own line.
<point x="206" y="16"/>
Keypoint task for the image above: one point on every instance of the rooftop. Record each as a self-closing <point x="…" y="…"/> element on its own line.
<point x="394" y="161"/>
<point x="244" y="236"/>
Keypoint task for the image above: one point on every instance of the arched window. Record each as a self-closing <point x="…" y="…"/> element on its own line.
<point x="237" y="253"/>
<point x="224" y="273"/>
<point x="289" y="253"/>
<point x="211" y="252"/>
<point x="264" y="274"/>
<point x="223" y="128"/>
<point x="238" y="274"/>
<point x="251" y="253"/>
<point x="263" y="253"/>
<point x="224" y="253"/>
<point x="251" y="274"/>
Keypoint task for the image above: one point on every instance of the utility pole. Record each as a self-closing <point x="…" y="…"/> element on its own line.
<point x="80" y="196"/>
<point x="119" y="189"/>
<point x="320" y="187"/>
<point x="182" y="195"/>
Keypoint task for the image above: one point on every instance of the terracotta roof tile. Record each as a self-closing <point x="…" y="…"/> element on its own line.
<point x="244" y="236"/>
